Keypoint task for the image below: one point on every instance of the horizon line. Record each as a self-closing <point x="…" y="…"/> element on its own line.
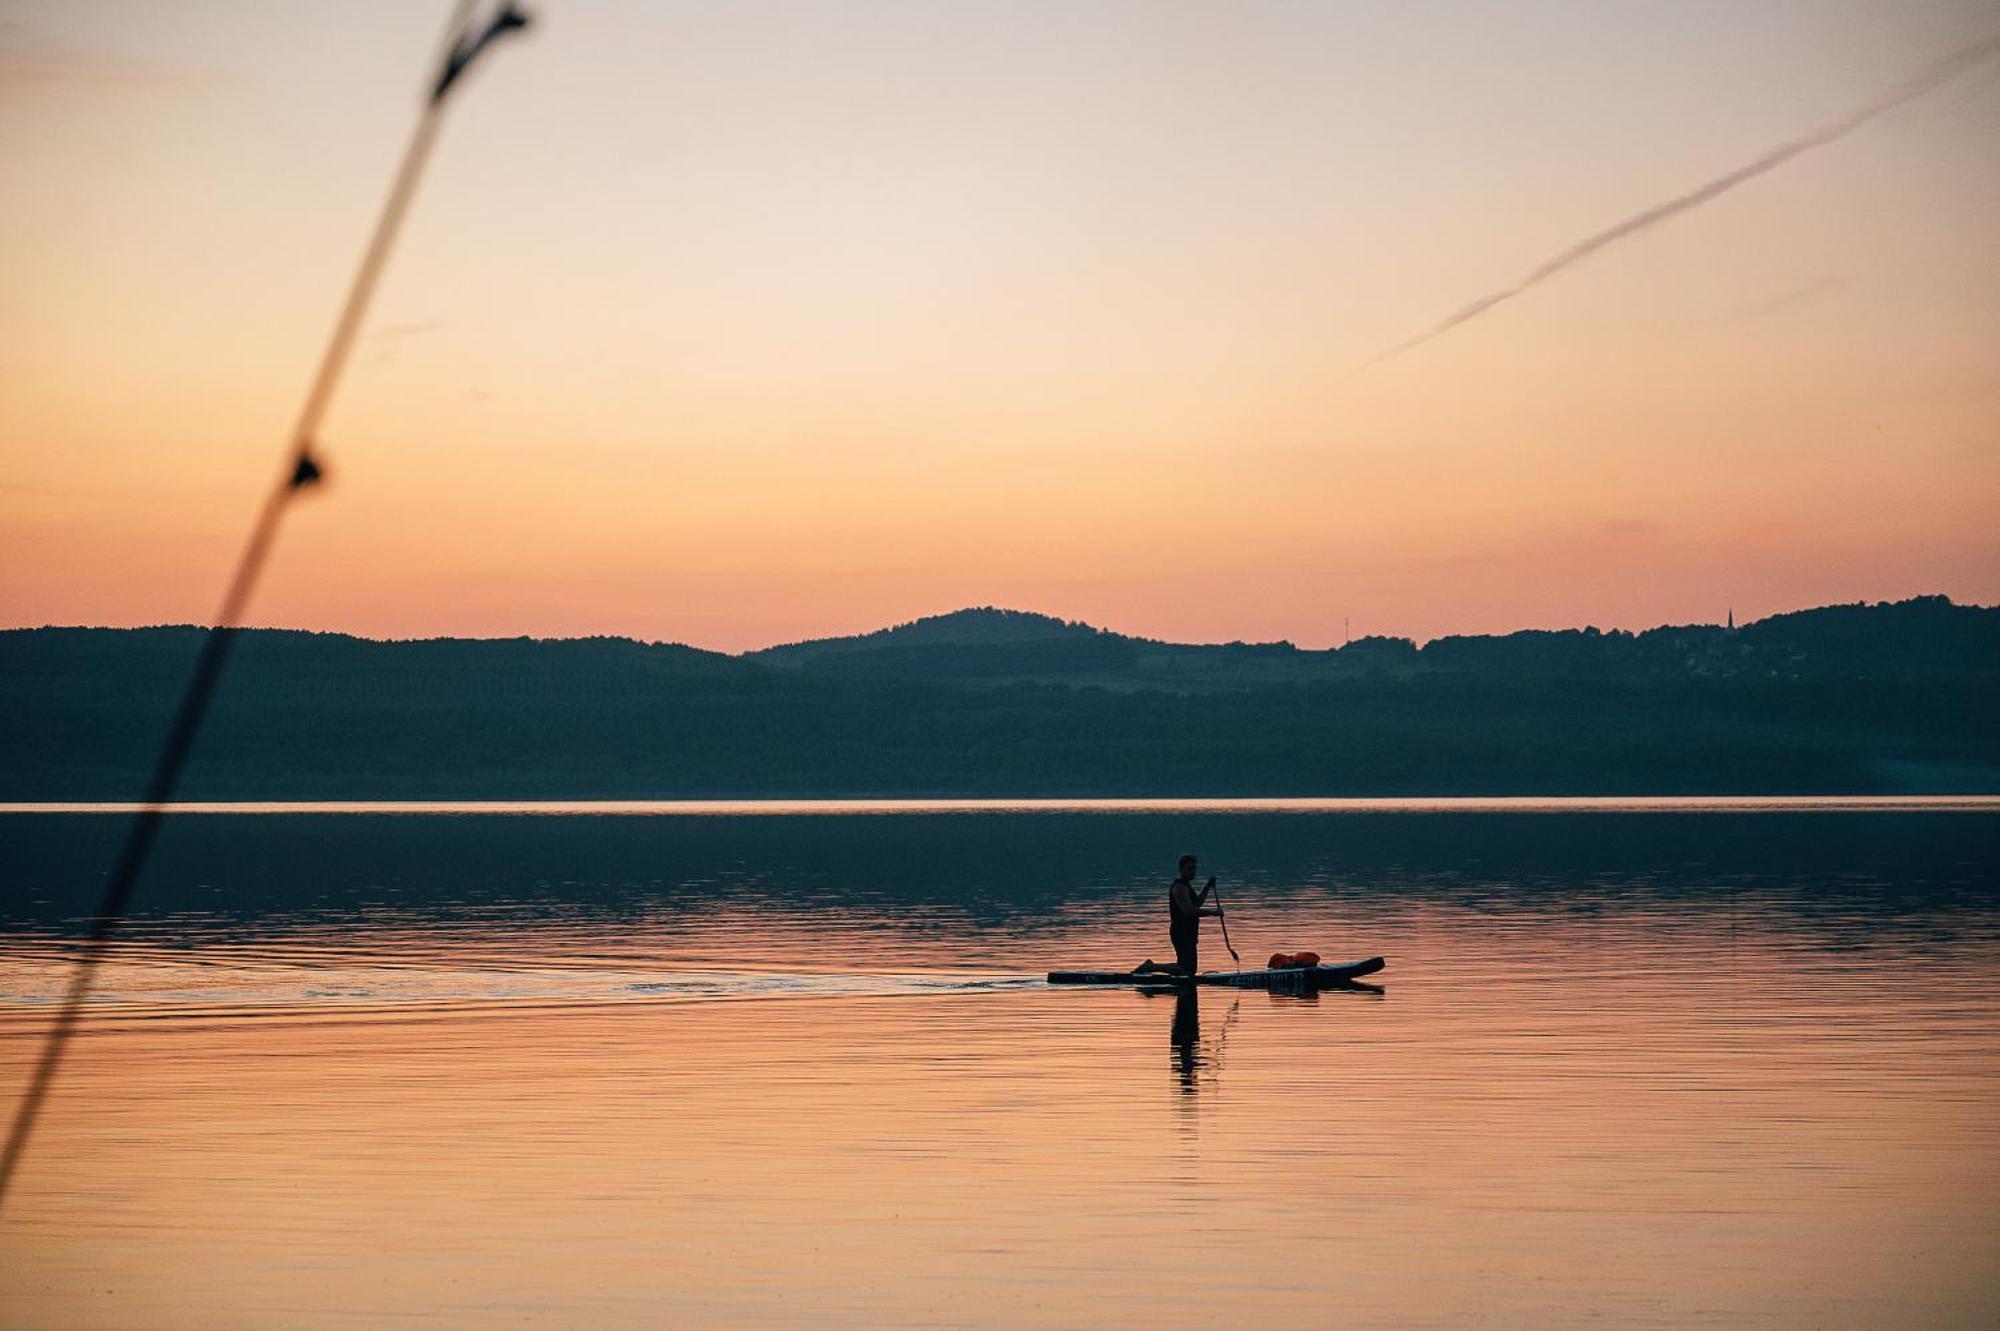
<point x="973" y="609"/>
<point x="889" y="806"/>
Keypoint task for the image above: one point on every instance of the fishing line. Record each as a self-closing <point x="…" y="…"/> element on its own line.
<point x="462" y="45"/>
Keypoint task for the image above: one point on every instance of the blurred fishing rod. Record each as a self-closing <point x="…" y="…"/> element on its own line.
<point x="464" y="41"/>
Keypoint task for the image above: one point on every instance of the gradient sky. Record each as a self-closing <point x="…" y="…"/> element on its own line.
<point x="734" y="323"/>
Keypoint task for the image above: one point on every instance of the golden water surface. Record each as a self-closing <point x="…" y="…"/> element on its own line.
<point x="350" y="1071"/>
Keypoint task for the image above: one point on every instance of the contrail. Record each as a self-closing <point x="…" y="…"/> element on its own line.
<point x="1935" y="75"/>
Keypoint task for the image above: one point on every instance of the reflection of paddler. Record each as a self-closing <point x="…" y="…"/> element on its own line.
<point x="1187" y="1035"/>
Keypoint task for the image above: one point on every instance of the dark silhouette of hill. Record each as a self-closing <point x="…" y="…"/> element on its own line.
<point x="1927" y="634"/>
<point x="983" y="626"/>
<point x="1860" y="699"/>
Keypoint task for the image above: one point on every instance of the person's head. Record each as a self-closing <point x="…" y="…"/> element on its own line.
<point x="1188" y="863"/>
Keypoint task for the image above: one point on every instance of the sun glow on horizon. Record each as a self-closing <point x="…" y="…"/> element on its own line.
<point x="740" y="326"/>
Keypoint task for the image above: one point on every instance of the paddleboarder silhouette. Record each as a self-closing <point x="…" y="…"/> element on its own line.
<point x="1185" y="907"/>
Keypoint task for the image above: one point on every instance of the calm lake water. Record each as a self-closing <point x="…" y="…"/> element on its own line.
<point x="1632" y="1062"/>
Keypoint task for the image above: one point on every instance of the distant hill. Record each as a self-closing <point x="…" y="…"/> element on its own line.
<point x="1857" y="699"/>
<point x="983" y="626"/>
<point x="1928" y="634"/>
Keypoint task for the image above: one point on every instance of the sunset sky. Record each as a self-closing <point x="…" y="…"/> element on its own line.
<point x="734" y="322"/>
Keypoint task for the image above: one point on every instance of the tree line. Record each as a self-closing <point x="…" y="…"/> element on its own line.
<point x="1848" y="699"/>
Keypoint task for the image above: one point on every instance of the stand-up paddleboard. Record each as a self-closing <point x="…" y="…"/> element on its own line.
<point x="1291" y="977"/>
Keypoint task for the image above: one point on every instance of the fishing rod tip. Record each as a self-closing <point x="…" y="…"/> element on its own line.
<point x="510" y="18"/>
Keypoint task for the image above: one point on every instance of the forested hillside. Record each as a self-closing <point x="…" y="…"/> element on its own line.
<point x="1861" y="699"/>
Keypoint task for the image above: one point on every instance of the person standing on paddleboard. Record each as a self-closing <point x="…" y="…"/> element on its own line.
<point x="1185" y="907"/>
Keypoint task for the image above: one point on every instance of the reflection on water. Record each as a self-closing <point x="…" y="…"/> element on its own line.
<point x="1187" y="1037"/>
<point x="1185" y="805"/>
<point x="1638" y="1067"/>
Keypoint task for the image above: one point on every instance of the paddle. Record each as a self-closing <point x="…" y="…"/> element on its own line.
<point x="1223" y="920"/>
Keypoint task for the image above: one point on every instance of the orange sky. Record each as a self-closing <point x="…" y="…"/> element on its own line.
<point x="738" y="324"/>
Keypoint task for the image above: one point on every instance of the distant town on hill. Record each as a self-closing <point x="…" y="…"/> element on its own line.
<point x="1897" y="697"/>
